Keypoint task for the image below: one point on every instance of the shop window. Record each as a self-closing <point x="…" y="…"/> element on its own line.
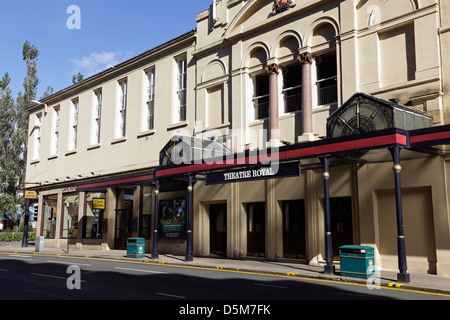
<point x="93" y="221"/>
<point x="50" y="213"/>
<point x="146" y="218"/>
<point x="70" y="216"/>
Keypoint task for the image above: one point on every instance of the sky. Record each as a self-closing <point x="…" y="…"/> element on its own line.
<point x="86" y="36"/>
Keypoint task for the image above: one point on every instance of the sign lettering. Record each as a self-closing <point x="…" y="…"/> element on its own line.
<point x="254" y="173"/>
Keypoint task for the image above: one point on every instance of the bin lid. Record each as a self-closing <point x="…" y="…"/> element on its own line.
<point x="135" y="239"/>
<point x="354" y="247"/>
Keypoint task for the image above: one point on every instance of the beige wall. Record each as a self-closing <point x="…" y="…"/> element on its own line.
<point x="390" y="49"/>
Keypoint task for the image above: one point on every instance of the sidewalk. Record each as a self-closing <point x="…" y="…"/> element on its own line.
<point x="419" y="281"/>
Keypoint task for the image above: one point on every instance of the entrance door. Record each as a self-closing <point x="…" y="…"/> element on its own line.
<point x="123" y="228"/>
<point x="256" y="231"/>
<point x="341" y="223"/>
<point x="218" y="229"/>
<point x="294" y="234"/>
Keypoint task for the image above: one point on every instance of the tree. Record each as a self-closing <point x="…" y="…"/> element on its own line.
<point x="19" y="143"/>
<point x="77" y="78"/>
<point x="48" y="92"/>
<point x="7" y="118"/>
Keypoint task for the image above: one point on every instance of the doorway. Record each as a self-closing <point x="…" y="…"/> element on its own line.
<point x="294" y="229"/>
<point x="256" y="229"/>
<point x="218" y="229"/>
<point x="341" y="223"/>
<point x="123" y="228"/>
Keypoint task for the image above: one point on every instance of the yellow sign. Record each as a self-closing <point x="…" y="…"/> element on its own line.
<point x="30" y="195"/>
<point x="98" y="203"/>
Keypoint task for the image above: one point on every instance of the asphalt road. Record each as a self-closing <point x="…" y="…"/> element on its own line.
<point x="36" y="277"/>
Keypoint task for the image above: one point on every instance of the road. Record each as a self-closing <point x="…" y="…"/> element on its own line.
<point x="38" y="277"/>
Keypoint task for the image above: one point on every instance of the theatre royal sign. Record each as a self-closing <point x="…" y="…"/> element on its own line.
<point x="282" y="170"/>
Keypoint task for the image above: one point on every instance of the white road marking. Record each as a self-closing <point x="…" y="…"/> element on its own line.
<point x="270" y="285"/>
<point x="51" y="276"/>
<point x="70" y="263"/>
<point x="140" y="270"/>
<point x="170" y="295"/>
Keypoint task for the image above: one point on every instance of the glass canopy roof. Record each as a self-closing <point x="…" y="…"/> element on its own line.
<point x="187" y="150"/>
<point x="364" y="113"/>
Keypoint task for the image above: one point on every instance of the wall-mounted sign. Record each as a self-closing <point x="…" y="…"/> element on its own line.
<point x="30" y="195"/>
<point x="281" y="170"/>
<point x="98" y="203"/>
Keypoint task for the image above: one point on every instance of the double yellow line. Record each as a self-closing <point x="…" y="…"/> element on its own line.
<point x="290" y="275"/>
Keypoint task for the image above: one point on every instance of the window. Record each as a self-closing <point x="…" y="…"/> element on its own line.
<point x="292" y="88"/>
<point x="261" y="96"/>
<point x="70" y="216"/>
<point x="149" y="107"/>
<point x="326" y="79"/>
<point x="55" y="131"/>
<point x="37" y="136"/>
<point x="122" y="109"/>
<point x="180" y="106"/>
<point x="50" y="213"/>
<point x="73" y="124"/>
<point x="96" y="117"/>
<point x="146" y="216"/>
<point x="93" y="221"/>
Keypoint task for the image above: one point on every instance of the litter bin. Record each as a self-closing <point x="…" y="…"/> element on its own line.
<point x="39" y="244"/>
<point x="135" y="247"/>
<point x="357" y="261"/>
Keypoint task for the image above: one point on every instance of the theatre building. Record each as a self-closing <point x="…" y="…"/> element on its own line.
<point x="274" y="130"/>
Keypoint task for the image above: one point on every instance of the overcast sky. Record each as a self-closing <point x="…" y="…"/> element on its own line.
<point x="86" y="36"/>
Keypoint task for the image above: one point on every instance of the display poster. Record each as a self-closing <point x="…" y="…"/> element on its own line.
<point x="172" y="219"/>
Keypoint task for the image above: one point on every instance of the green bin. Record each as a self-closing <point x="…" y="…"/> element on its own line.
<point x="135" y="247"/>
<point x="357" y="261"/>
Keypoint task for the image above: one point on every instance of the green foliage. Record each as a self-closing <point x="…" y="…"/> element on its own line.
<point x="14" y="132"/>
<point x="77" y="78"/>
<point x="8" y="236"/>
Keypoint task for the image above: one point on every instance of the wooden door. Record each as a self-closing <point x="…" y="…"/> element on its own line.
<point x="123" y="228"/>
<point x="218" y="229"/>
<point x="294" y="229"/>
<point x="256" y="229"/>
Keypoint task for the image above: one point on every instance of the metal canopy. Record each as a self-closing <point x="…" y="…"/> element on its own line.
<point x="364" y="113"/>
<point x="187" y="149"/>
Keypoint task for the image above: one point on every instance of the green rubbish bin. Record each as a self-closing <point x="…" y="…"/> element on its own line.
<point x="135" y="247"/>
<point x="357" y="261"/>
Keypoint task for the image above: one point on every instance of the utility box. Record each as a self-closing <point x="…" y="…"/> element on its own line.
<point x="135" y="247"/>
<point x="39" y="244"/>
<point x="357" y="261"/>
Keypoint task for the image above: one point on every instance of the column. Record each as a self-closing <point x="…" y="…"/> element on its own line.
<point x="329" y="268"/>
<point x="189" y="256"/>
<point x="274" y="134"/>
<point x="306" y="60"/>
<point x="403" y="275"/>
<point x="155" y="254"/>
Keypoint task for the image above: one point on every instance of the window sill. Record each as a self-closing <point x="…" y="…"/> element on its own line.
<point x="146" y="133"/>
<point x="119" y="140"/>
<point x="177" y="125"/>
<point x="52" y="157"/>
<point x="94" y="146"/>
<point x="34" y="162"/>
<point x="71" y="152"/>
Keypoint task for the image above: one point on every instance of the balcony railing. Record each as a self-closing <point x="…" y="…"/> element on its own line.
<point x="326" y="91"/>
